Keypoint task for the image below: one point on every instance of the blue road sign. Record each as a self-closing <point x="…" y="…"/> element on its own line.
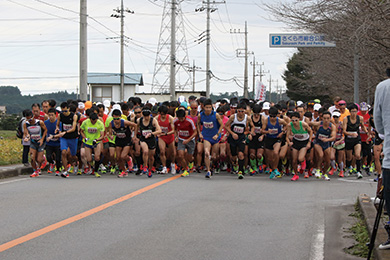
<point x="299" y="40"/>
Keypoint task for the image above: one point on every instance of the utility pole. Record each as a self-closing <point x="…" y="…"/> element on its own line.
<point x="120" y="14"/>
<point x="270" y="81"/>
<point x="209" y="10"/>
<point x="255" y="64"/>
<point x="172" y="86"/>
<point x="193" y="70"/>
<point x="239" y="54"/>
<point x="356" y="70"/>
<point x="83" y="77"/>
<point x="262" y="72"/>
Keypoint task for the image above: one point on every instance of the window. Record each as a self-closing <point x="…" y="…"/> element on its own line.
<point x="99" y="94"/>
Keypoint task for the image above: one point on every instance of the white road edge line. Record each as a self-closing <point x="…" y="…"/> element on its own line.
<point x="6" y="182"/>
<point x="317" y="249"/>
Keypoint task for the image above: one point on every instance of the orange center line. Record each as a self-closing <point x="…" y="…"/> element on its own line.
<point x="80" y="216"/>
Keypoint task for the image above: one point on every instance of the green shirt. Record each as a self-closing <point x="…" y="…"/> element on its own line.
<point x="91" y="131"/>
<point x="108" y="122"/>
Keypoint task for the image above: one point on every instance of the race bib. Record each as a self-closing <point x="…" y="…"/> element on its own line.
<point x="238" y="129"/>
<point x="257" y="130"/>
<point x="92" y="130"/>
<point x="273" y="131"/>
<point x="120" y="135"/>
<point x="208" y="124"/>
<point x="146" y="132"/>
<point x="164" y="129"/>
<point x="322" y="136"/>
<point x="184" y="133"/>
<point x="66" y="127"/>
<point x="35" y="137"/>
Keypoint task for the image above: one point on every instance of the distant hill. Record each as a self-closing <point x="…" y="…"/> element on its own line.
<point x="12" y="98"/>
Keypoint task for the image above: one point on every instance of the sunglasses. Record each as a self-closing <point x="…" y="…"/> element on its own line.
<point x="310" y="104"/>
<point x="116" y="118"/>
<point x="342" y="104"/>
<point x="272" y="116"/>
<point x="233" y="107"/>
<point x="336" y="116"/>
<point x="65" y="110"/>
<point x="194" y="107"/>
<point x="241" y="111"/>
<point x="295" y="120"/>
<point x="137" y="112"/>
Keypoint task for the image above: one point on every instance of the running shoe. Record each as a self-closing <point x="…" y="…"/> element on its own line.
<point x="359" y="175"/>
<point x="376" y="179"/>
<point x="385" y="245"/>
<point x="34" y="174"/>
<point x="295" y="177"/>
<point x="228" y="169"/>
<point x="51" y="168"/>
<point x="246" y="171"/>
<point x="240" y="175"/>
<point x="79" y="172"/>
<point x="260" y="170"/>
<point x="341" y="174"/>
<point x="372" y="168"/>
<point x="303" y="165"/>
<point x="86" y="170"/>
<point x="272" y="175"/>
<point x="185" y="174"/>
<point x="224" y="167"/>
<point x="102" y="169"/>
<point x="153" y="169"/>
<point x="173" y="169"/>
<point x="65" y="175"/>
<point x="145" y="170"/>
<point x="326" y="177"/>
<point x="135" y="168"/>
<point x="150" y="175"/>
<point x="208" y="175"/>
<point x="277" y="173"/>
<point x="57" y="173"/>
<point x="198" y="169"/>
<point x="235" y="168"/>
<point x="306" y="175"/>
<point x="130" y="164"/>
<point x="76" y="169"/>
<point x="318" y="174"/>
<point x="122" y="174"/>
<point x="191" y="166"/>
<point x="164" y="170"/>
<point x="97" y="175"/>
<point x="267" y="171"/>
<point x="331" y="172"/>
<point x="112" y="170"/>
<point x="217" y="170"/>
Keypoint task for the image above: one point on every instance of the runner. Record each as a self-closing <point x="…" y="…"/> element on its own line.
<point x="185" y="132"/>
<point x="351" y="130"/>
<point x="256" y="145"/>
<point x="210" y="133"/>
<point x="366" y="139"/>
<point x="68" y="136"/>
<point x="35" y="131"/>
<point x="92" y="132"/>
<point x="237" y="126"/>
<point x="301" y="135"/>
<point x="338" y="146"/>
<point x="52" y="143"/>
<point x="326" y="133"/>
<point x="166" y="140"/>
<point x="120" y="130"/>
<point x="149" y="129"/>
<point x="272" y="128"/>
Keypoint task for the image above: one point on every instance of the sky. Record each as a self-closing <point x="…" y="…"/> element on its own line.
<point x="39" y="43"/>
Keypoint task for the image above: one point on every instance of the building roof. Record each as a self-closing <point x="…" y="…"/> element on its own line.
<point x="114" y="78"/>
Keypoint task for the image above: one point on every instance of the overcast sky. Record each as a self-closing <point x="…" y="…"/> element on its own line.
<point x="39" y="42"/>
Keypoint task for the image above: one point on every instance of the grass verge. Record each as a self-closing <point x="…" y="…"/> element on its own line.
<point x="11" y="148"/>
<point x="360" y="234"/>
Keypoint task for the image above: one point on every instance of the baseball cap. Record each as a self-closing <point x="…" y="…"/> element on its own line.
<point x="342" y="102"/>
<point x="81" y="105"/>
<point x="299" y="103"/>
<point x="363" y="106"/>
<point x="317" y="101"/>
<point x="317" y="107"/>
<point x="181" y="99"/>
<point x="310" y="103"/>
<point x="336" y="113"/>
<point x="152" y="101"/>
<point x="266" y="106"/>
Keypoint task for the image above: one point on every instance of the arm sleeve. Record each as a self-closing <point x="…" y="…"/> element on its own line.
<point x="378" y="118"/>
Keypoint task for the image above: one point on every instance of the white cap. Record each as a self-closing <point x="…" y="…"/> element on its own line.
<point x="299" y="103"/>
<point x="336" y="113"/>
<point x="182" y="99"/>
<point x="152" y="101"/>
<point x="58" y="109"/>
<point x="317" y="107"/>
<point x="106" y="103"/>
<point x="98" y="103"/>
<point x="116" y="106"/>
<point x="81" y="105"/>
<point x="266" y="106"/>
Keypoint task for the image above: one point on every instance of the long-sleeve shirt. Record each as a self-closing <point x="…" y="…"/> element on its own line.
<point x="382" y="117"/>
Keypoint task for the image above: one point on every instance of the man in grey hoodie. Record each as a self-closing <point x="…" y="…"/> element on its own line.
<point x="382" y="125"/>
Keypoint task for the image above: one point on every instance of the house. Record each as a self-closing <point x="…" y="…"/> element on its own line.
<point x="3" y="110"/>
<point x="107" y="85"/>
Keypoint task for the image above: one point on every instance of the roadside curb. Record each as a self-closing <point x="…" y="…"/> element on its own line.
<point x="369" y="211"/>
<point x="14" y="170"/>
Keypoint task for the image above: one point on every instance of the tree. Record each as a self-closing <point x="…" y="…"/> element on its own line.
<point x="358" y="28"/>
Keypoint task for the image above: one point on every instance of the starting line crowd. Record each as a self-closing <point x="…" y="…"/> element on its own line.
<point x="243" y="137"/>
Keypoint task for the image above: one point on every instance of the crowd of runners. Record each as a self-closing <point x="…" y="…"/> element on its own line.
<point x="242" y="137"/>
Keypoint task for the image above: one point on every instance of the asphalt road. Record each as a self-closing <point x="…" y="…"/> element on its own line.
<point x="184" y="218"/>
